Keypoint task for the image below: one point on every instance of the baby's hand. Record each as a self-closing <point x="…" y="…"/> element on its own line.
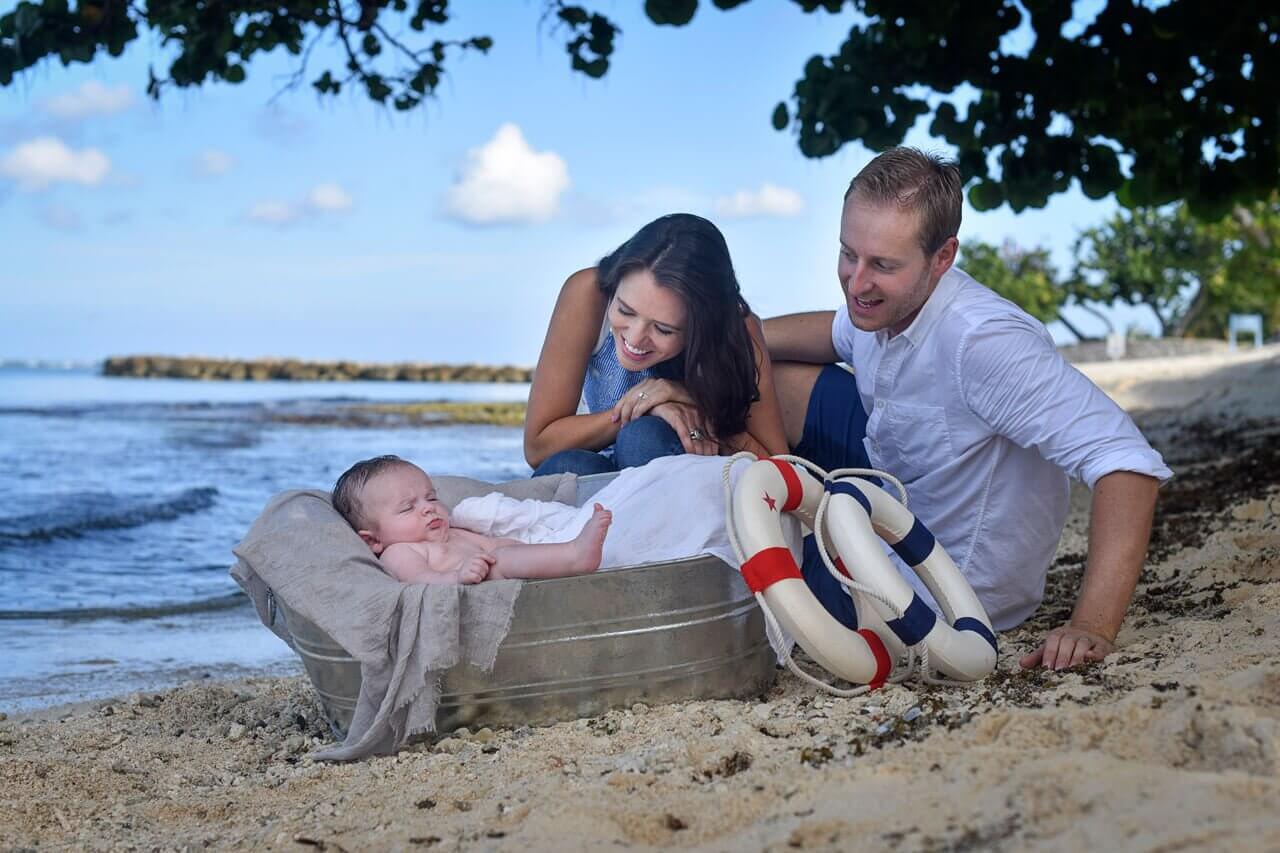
<point x="475" y="569"/>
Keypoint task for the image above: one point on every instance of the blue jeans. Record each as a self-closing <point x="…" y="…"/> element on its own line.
<point x="834" y="426"/>
<point x="640" y="441"/>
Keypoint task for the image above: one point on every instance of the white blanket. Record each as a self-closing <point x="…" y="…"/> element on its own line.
<point x="667" y="510"/>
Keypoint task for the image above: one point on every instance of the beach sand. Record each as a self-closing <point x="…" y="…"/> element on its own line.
<point x="1170" y="744"/>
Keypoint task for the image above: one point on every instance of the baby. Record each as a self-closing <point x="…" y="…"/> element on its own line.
<point x="393" y="506"/>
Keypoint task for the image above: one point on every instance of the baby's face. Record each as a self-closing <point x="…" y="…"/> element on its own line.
<point x="401" y="506"/>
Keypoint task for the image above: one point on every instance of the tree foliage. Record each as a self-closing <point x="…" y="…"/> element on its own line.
<point x="1152" y="101"/>
<point x="1191" y="274"/>
<point x="217" y="41"/>
<point x="1147" y="256"/>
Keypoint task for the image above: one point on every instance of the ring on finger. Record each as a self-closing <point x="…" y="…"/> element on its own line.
<point x="695" y="434"/>
<point x="640" y="395"/>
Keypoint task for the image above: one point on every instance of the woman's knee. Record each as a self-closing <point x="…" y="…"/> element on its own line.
<point x="581" y="462"/>
<point x="645" y="439"/>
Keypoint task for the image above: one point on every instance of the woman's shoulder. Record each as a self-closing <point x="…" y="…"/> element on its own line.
<point x="581" y="300"/>
<point x="583" y="282"/>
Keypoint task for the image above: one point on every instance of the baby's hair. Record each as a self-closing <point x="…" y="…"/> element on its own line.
<point x="350" y="487"/>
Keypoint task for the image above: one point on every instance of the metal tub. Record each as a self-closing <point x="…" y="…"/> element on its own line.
<point x="655" y="633"/>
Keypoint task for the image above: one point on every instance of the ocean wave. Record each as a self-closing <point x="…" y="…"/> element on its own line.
<point x="137" y="611"/>
<point x="77" y="515"/>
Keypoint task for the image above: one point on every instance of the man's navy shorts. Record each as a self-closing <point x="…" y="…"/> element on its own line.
<point x="835" y="425"/>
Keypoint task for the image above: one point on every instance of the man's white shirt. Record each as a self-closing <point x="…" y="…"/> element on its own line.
<point x="976" y="412"/>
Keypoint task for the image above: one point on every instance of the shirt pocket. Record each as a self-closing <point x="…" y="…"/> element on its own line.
<point x="915" y="439"/>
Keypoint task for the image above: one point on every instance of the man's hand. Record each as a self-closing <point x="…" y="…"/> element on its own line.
<point x="475" y="569"/>
<point x="1069" y="646"/>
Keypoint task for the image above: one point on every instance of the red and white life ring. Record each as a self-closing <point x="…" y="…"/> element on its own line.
<point x="855" y="526"/>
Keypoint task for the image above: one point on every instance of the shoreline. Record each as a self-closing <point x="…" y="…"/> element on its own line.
<point x="208" y="368"/>
<point x="298" y="370"/>
<point x="1173" y="742"/>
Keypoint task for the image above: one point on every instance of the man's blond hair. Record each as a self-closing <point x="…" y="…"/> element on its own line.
<point x="916" y="181"/>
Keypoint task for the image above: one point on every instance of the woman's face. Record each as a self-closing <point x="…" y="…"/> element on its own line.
<point x="648" y="321"/>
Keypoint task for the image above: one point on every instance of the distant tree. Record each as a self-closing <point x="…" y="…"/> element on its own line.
<point x="1152" y="101"/>
<point x="1026" y="277"/>
<point x="1191" y="274"/>
<point x="1246" y="277"/>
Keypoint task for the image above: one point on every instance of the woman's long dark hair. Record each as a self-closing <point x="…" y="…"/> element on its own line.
<point x="688" y="254"/>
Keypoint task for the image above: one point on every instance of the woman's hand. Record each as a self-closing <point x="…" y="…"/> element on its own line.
<point x="642" y="399"/>
<point x="690" y="427"/>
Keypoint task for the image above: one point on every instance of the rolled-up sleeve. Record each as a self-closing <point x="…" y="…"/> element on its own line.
<point x="1014" y="379"/>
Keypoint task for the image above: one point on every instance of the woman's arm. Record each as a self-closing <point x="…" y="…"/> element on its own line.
<point x="551" y="423"/>
<point x="765" y="435"/>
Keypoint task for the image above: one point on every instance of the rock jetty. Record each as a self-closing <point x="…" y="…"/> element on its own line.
<point x="240" y="370"/>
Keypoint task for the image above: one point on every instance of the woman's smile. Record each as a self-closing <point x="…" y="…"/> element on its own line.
<point x="647" y="321"/>
<point x="635" y="352"/>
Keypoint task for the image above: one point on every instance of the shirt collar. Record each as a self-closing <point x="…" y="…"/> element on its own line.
<point x="932" y="309"/>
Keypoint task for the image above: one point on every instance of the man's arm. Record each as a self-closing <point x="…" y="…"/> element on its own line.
<point x="1018" y="383"/>
<point x="1119" y="531"/>
<point x="801" y="337"/>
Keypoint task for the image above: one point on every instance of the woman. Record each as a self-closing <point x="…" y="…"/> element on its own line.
<point x="652" y="353"/>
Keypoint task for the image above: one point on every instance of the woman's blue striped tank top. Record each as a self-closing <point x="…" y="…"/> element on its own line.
<point x="607" y="380"/>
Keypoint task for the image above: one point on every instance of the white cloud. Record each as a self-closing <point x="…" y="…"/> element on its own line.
<point x="47" y="160"/>
<point x="328" y="198"/>
<point x="769" y="200"/>
<point x="273" y="212"/>
<point x="505" y="181"/>
<point x="91" y="99"/>
<point x="212" y="161"/>
<point x="323" y="199"/>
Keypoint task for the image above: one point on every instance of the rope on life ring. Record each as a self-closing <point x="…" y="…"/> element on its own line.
<point x="855" y="516"/>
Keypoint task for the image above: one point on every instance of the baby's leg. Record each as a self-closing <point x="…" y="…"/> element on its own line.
<point x="559" y="559"/>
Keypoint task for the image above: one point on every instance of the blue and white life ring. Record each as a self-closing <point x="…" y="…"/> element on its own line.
<point x="855" y="516"/>
<point x="859" y="517"/>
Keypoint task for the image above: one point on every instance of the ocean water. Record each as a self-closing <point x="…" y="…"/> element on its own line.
<point x="124" y="497"/>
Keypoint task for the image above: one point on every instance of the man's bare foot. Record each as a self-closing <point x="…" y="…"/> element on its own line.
<point x="589" y="546"/>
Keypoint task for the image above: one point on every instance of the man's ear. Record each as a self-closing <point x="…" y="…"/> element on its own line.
<point x="945" y="257"/>
<point x="372" y="541"/>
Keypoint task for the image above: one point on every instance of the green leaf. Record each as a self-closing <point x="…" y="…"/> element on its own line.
<point x="370" y="45"/>
<point x="234" y="74"/>
<point x="671" y="13"/>
<point x="780" y="117"/>
<point x="986" y="195"/>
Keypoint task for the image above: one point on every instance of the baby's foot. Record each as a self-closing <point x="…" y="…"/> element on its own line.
<point x="589" y="546"/>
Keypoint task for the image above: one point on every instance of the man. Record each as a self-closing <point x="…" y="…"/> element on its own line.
<point x="963" y="396"/>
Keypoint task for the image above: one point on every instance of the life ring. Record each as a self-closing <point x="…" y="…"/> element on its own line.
<point x="766" y="489"/>
<point x="855" y="519"/>
<point x="859" y="516"/>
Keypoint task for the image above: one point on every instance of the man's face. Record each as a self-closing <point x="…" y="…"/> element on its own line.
<point x="400" y="505"/>
<point x="885" y="275"/>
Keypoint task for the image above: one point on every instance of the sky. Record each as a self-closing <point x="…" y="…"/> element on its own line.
<point x="250" y="221"/>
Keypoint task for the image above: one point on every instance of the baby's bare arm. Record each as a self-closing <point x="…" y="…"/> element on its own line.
<point x="409" y="562"/>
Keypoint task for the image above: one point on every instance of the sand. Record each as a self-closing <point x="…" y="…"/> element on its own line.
<point x="1169" y="744"/>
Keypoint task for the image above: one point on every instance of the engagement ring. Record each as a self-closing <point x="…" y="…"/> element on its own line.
<point x="695" y="434"/>
<point x="641" y="395"/>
